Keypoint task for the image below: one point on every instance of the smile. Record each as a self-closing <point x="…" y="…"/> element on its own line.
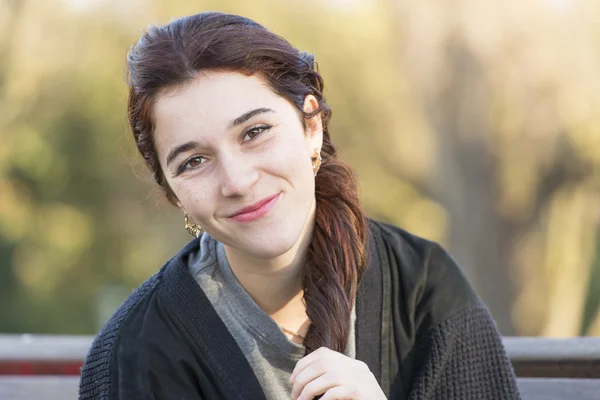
<point x="256" y="211"/>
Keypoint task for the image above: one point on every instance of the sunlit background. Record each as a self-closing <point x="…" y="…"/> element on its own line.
<point x="473" y="123"/>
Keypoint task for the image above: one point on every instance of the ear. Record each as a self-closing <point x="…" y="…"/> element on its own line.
<point x="314" y="126"/>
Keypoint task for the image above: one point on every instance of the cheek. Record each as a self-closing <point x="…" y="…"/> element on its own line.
<point x="194" y="196"/>
<point x="291" y="153"/>
<point x="292" y="164"/>
<point x="299" y="173"/>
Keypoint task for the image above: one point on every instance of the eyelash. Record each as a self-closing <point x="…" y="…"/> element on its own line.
<point x="259" y="128"/>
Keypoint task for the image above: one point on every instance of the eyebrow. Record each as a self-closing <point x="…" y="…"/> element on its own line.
<point x="238" y="121"/>
<point x="247" y="115"/>
<point x="187" y="146"/>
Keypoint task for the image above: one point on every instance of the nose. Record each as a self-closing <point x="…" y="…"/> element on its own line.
<point x="238" y="175"/>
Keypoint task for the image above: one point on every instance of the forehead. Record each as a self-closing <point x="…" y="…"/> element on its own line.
<point x="212" y="100"/>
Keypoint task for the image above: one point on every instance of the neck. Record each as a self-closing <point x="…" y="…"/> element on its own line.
<point x="275" y="284"/>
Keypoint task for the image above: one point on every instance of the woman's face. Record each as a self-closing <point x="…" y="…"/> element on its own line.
<point x="226" y="142"/>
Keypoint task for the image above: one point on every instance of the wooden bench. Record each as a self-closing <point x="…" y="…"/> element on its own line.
<point x="39" y="366"/>
<point x="555" y="358"/>
<point x="552" y="369"/>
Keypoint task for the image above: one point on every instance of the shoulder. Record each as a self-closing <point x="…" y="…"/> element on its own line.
<point x="424" y="275"/>
<point x="141" y="322"/>
<point x="410" y="248"/>
<point x="100" y="362"/>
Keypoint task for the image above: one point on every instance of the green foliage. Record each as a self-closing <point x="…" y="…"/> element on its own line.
<point x="82" y="223"/>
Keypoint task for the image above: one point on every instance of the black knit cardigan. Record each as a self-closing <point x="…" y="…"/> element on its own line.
<point x="420" y="328"/>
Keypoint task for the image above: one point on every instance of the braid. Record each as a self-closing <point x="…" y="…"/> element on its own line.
<point x="337" y="257"/>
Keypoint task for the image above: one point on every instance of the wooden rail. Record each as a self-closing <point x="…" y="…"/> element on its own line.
<point x="42" y="354"/>
<point x="555" y="358"/>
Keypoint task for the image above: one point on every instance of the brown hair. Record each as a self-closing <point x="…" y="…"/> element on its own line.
<point x="171" y="55"/>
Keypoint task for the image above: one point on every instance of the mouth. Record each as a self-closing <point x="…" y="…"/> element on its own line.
<point x="256" y="210"/>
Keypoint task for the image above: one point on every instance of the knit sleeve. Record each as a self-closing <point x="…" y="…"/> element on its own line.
<point x="463" y="358"/>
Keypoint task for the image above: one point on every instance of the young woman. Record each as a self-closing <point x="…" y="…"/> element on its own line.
<point x="288" y="290"/>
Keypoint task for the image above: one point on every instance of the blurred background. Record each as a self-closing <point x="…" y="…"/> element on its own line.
<point x="474" y="123"/>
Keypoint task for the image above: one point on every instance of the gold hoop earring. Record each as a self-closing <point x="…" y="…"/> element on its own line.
<point x="194" y="229"/>
<point x="316" y="161"/>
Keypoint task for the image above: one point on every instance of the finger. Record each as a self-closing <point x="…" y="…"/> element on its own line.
<point x="341" y="393"/>
<point x="308" y="374"/>
<point x="319" y="386"/>
<point x="309" y="359"/>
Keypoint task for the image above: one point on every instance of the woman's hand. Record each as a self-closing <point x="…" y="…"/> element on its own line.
<point x="339" y="377"/>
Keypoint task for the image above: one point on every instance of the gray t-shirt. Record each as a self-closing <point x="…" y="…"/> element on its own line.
<point x="269" y="352"/>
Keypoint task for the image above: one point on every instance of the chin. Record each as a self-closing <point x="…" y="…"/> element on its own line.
<point x="272" y="245"/>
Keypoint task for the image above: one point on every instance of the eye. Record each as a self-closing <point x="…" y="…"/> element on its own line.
<point x="194" y="161"/>
<point x="255" y="131"/>
<point x="191" y="163"/>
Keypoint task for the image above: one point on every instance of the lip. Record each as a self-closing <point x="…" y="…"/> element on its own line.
<point x="256" y="210"/>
